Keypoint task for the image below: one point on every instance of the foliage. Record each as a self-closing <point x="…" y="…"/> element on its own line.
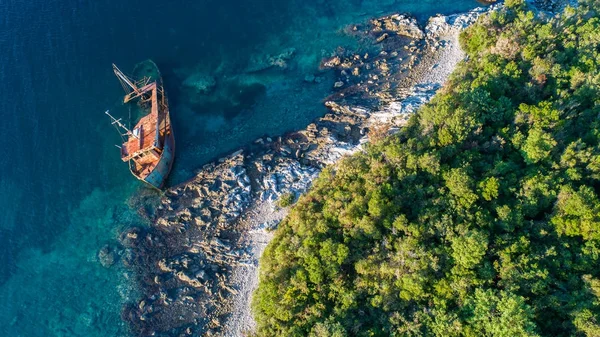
<point x="480" y="218"/>
<point x="286" y="199"/>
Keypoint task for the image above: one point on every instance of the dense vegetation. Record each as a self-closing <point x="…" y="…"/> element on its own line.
<point x="480" y="218"/>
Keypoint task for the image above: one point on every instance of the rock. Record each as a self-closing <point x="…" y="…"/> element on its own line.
<point x="215" y="186"/>
<point x="263" y="62"/>
<point x="196" y="191"/>
<point x="331" y="62"/>
<point x="269" y="225"/>
<point x="172" y="193"/>
<point x="183" y="277"/>
<point x="201" y="274"/>
<point x="200" y="83"/>
<point x="237" y="170"/>
<point x="399" y="24"/>
<point x="309" y="78"/>
<point x="382" y="37"/>
<point x="219" y="243"/>
<point x="128" y="258"/>
<point x="281" y="59"/>
<point x="107" y="256"/>
<point x="130" y="237"/>
<point x="286" y="149"/>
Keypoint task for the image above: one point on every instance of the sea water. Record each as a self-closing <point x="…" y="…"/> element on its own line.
<point x="64" y="193"/>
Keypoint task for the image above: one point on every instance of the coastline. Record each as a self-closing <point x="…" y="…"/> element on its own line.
<point x="198" y="263"/>
<point x="424" y="81"/>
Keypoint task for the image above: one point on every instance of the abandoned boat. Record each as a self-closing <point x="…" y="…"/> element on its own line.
<point x="148" y="147"/>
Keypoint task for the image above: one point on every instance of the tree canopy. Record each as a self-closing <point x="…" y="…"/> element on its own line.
<point x="480" y="218"/>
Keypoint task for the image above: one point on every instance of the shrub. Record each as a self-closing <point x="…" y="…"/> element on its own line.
<point x="286" y="200"/>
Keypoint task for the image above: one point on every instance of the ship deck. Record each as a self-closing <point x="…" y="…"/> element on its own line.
<point x="145" y="130"/>
<point x="142" y="146"/>
<point x="144" y="133"/>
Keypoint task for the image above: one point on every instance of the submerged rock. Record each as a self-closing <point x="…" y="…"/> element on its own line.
<point x="131" y="237"/>
<point x="309" y="78"/>
<point x="331" y="62"/>
<point x="260" y="62"/>
<point x="107" y="256"/>
<point x="200" y="83"/>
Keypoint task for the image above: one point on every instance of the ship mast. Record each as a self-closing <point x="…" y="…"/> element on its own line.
<point x="125" y="81"/>
<point x="134" y="89"/>
<point x="118" y="124"/>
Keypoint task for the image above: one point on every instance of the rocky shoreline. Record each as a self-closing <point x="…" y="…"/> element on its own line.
<point x="197" y="264"/>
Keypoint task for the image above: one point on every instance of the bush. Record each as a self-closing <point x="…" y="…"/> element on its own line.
<point x="286" y="200"/>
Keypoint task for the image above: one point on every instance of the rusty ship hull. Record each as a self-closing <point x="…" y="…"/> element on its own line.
<point x="148" y="147"/>
<point x="158" y="176"/>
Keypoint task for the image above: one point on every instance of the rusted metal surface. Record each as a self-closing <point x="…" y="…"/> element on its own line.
<point x="162" y="168"/>
<point x="145" y="129"/>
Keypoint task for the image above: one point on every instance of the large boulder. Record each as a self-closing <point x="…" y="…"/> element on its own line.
<point x="107" y="256"/>
<point x="399" y="24"/>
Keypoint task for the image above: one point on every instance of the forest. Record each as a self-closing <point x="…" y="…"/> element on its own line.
<point x="481" y="217"/>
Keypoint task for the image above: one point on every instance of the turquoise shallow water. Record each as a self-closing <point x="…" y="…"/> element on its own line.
<point x="64" y="192"/>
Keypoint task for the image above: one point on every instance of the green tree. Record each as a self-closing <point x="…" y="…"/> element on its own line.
<point x="498" y="315"/>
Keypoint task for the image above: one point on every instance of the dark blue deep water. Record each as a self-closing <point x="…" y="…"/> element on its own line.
<point x="64" y="193"/>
